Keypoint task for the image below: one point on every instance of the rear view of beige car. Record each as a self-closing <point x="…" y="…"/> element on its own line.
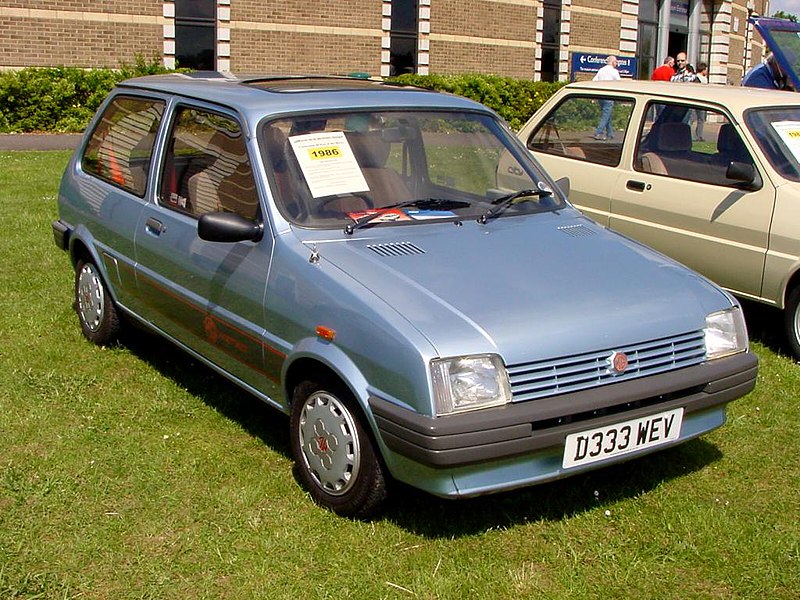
<point x="709" y="175"/>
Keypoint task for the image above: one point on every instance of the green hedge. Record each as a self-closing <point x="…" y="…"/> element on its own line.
<point x="513" y="99"/>
<point x="63" y="99"/>
<point x="59" y="99"/>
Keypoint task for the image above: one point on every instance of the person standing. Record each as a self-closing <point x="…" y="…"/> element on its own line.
<point x="682" y="73"/>
<point x="609" y="72"/>
<point x="702" y="72"/>
<point x="701" y="76"/>
<point x="767" y="75"/>
<point x="665" y="71"/>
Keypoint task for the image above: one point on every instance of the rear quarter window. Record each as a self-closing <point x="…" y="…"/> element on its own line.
<point x="121" y="145"/>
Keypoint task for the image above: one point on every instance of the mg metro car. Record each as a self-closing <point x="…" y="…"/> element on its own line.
<point x="346" y="251"/>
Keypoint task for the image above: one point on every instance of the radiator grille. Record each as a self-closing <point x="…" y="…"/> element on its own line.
<point x="534" y="380"/>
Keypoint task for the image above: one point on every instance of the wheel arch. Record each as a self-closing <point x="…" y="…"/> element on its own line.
<point x="322" y="361"/>
<point x="792" y="282"/>
<point x="79" y="250"/>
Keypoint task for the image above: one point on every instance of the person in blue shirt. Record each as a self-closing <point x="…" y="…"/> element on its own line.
<point x="767" y="75"/>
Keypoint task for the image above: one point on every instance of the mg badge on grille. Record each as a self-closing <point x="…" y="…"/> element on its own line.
<point x="618" y="361"/>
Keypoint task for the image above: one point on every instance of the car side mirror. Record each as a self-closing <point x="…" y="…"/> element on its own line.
<point x="563" y="185"/>
<point x="745" y="173"/>
<point x="228" y="227"/>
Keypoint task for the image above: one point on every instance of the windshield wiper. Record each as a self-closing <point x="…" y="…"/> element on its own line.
<point x="424" y="203"/>
<point x="503" y="202"/>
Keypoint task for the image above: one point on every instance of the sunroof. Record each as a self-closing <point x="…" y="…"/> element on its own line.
<point x="314" y="84"/>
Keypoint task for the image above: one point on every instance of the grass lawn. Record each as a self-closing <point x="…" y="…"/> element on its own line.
<point x="132" y="472"/>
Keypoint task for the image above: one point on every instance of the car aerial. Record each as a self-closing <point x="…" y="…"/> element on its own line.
<point x="348" y="252"/>
<point x="707" y="174"/>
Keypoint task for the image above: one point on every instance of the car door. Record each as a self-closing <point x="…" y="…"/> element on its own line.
<point x="207" y="295"/>
<point x="565" y="143"/>
<point x="680" y="196"/>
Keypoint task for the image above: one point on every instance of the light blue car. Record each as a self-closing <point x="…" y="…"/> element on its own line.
<point x="353" y="254"/>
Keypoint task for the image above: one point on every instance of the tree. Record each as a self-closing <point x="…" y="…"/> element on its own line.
<point x="779" y="14"/>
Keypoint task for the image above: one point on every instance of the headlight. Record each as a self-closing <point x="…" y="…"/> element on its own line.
<point x="725" y="333"/>
<point x="468" y="383"/>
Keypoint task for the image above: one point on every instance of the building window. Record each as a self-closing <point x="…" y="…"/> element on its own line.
<point x="648" y="38"/>
<point x="551" y="34"/>
<point x="403" y="34"/>
<point x="196" y="34"/>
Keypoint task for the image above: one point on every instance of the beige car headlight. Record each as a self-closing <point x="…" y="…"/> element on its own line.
<point x="725" y="333"/>
<point x="465" y="383"/>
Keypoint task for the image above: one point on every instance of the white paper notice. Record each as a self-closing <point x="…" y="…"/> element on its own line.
<point x="328" y="164"/>
<point x="790" y="134"/>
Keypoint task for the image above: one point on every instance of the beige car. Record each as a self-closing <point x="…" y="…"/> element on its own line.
<point x="707" y="174"/>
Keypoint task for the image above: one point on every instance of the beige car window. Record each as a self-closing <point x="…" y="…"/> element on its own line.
<point x="589" y="128"/>
<point x="692" y="143"/>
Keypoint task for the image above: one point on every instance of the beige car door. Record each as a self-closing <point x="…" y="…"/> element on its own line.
<point x="694" y="192"/>
<point x="568" y="143"/>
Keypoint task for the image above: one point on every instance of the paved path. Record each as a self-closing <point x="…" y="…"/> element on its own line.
<point x="39" y="141"/>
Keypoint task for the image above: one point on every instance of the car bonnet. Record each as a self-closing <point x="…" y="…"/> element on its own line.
<point x="526" y="287"/>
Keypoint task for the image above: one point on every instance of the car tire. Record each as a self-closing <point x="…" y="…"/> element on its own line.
<point x="96" y="310"/>
<point x="335" y="459"/>
<point x="791" y="322"/>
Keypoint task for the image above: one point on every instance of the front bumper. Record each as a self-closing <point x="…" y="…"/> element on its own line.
<point x="528" y="427"/>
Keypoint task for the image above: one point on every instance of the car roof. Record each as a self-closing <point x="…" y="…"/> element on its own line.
<point x="734" y="97"/>
<point x="262" y="95"/>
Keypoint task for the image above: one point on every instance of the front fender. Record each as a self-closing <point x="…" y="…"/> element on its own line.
<point x="329" y="355"/>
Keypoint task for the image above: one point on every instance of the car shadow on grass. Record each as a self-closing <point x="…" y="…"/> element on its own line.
<point x="765" y="325"/>
<point x="433" y="517"/>
<point x="256" y="418"/>
<point x="413" y="509"/>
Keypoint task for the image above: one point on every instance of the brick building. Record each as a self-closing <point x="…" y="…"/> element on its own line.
<point x="535" y="39"/>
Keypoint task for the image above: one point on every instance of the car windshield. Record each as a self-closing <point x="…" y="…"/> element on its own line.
<point x="398" y="167"/>
<point x="777" y="131"/>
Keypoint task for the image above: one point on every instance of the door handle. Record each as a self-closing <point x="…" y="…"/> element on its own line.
<point x="154" y="226"/>
<point x="635" y="185"/>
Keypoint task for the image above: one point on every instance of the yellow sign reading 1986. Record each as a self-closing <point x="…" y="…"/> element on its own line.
<point x="327" y="152"/>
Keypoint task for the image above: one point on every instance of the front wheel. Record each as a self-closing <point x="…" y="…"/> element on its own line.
<point x="791" y="321"/>
<point x="97" y="313"/>
<point x="333" y="453"/>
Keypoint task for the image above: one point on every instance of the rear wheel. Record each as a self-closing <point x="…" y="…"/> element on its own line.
<point x="334" y="455"/>
<point x="97" y="313"/>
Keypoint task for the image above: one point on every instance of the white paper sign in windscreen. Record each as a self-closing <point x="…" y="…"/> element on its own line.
<point x="790" y="134"/>
<point x="328" y="164"/>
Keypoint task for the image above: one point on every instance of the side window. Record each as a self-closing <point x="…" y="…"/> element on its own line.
<point x="206" y="167"/>
<point x="585" y="128"/>
<point x="121" y="144"/>
<point x="693" y="143"/>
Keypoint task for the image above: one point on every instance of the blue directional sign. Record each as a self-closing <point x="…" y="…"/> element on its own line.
<point x="588" y="62"/>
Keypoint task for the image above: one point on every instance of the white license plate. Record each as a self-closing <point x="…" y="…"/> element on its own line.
<point x="604" y="443"/>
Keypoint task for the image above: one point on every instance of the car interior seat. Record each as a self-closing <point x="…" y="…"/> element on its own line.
<point x="371" y="152"/>
<point x="227" y="184"/>
<point x="670" y="149"/>
<point x="730" y="146"/>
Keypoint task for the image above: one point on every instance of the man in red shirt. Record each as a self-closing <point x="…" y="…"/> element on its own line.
<point x="665" y="71"/>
